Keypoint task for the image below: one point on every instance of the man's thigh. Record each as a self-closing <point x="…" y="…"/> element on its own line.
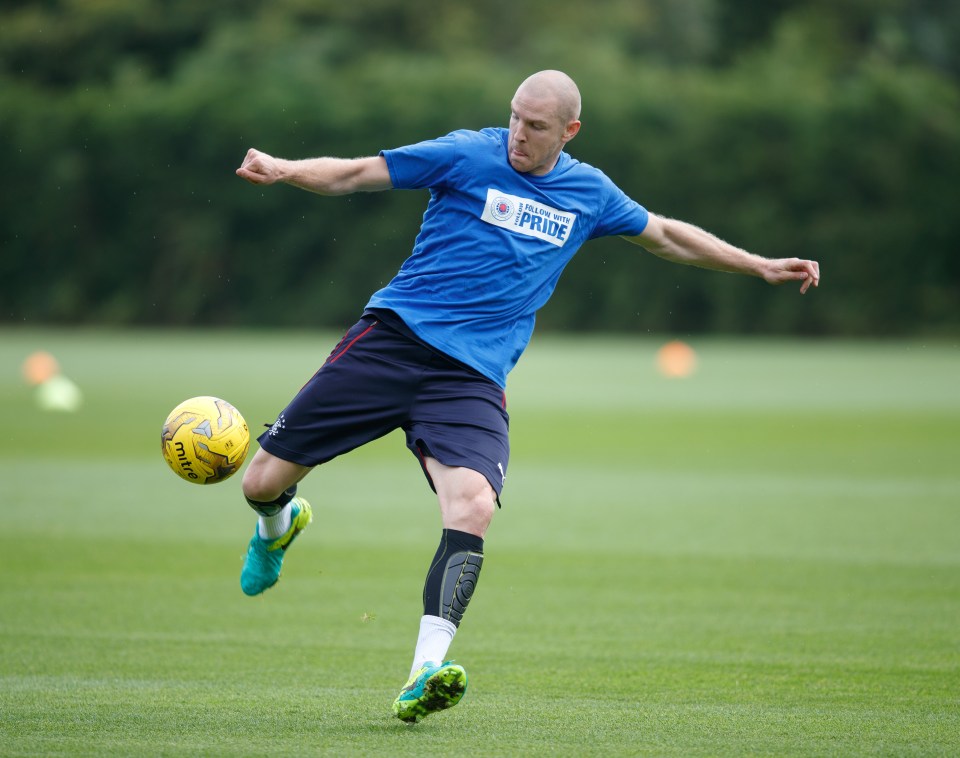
<point x="362" y="392"/>
<point x="460" y="419"/>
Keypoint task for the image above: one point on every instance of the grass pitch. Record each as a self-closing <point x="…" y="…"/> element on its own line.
<point x="760" y="559"/>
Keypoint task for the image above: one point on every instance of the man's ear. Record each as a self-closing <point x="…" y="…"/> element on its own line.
<point x="571" y="131"/>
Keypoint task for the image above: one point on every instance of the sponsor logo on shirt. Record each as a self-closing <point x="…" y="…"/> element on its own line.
<point x="525" y="216"/>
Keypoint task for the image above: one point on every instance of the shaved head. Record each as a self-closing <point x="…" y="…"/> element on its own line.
<point x="544" y="116"/>
<point x="555" y="86"/>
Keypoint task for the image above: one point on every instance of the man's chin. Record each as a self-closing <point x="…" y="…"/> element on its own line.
<point x="521" y="165"/>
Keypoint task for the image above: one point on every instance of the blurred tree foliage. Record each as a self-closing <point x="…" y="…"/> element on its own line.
<point x="817" y="128"/>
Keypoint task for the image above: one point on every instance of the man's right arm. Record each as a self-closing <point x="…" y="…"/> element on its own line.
<point x="325" y="176"/>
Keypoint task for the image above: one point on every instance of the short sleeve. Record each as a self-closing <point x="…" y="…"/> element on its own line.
<point x="424" y="164"/>
<point x="621" y="215"/>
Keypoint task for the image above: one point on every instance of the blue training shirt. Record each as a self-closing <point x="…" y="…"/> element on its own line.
<point x="493" y="243"/>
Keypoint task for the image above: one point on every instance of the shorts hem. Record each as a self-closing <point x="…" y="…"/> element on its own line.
<point x="268" y="444"/>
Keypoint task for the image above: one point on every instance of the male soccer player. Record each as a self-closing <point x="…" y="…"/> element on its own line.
<point x="508" y="209"/>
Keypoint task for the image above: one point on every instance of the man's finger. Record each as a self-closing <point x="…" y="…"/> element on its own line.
<point x="250" y="176"/>
<point x="811" y="276"/>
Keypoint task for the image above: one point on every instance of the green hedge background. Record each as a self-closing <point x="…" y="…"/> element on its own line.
<point x="825" y="128"/>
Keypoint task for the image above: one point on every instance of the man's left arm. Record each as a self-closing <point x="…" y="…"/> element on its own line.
<point x="681" y="242"/>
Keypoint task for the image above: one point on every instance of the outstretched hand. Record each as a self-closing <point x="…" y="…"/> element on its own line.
<point x="780" y="270"/>
<point x="259" y="168"/>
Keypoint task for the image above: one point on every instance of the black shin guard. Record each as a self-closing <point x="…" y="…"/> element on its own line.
<point x="453" y="576"/>
<point x="273" y="507"/>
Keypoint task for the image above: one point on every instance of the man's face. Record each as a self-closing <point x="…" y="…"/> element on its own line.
<point x="537" y="133"/>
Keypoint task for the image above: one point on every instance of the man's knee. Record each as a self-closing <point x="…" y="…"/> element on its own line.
<point x="477" y="511"/>
<point x="253" y="486"/>
<point x="467" y="500"/>
<point x="256" y="482"/>
<point x="267" y="477"/>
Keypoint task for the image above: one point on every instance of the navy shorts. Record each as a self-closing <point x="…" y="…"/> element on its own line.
<point x="380" y="378"/>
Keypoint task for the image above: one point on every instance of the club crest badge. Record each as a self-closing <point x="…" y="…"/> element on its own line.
<point x="501" y="208"/>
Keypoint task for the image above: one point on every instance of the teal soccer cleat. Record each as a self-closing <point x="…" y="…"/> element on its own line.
<point x="261" y="568"/>
<point x="432" y="688"/>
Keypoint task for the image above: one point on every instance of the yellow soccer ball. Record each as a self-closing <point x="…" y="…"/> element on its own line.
<point x="205" y="440"/>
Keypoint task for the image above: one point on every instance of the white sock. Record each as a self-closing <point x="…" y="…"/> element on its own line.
<point x="271" y="527"/>
<point x="436" y="634"/>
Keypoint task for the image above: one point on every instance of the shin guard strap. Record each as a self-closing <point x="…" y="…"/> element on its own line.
<point x="273" y="507"/>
